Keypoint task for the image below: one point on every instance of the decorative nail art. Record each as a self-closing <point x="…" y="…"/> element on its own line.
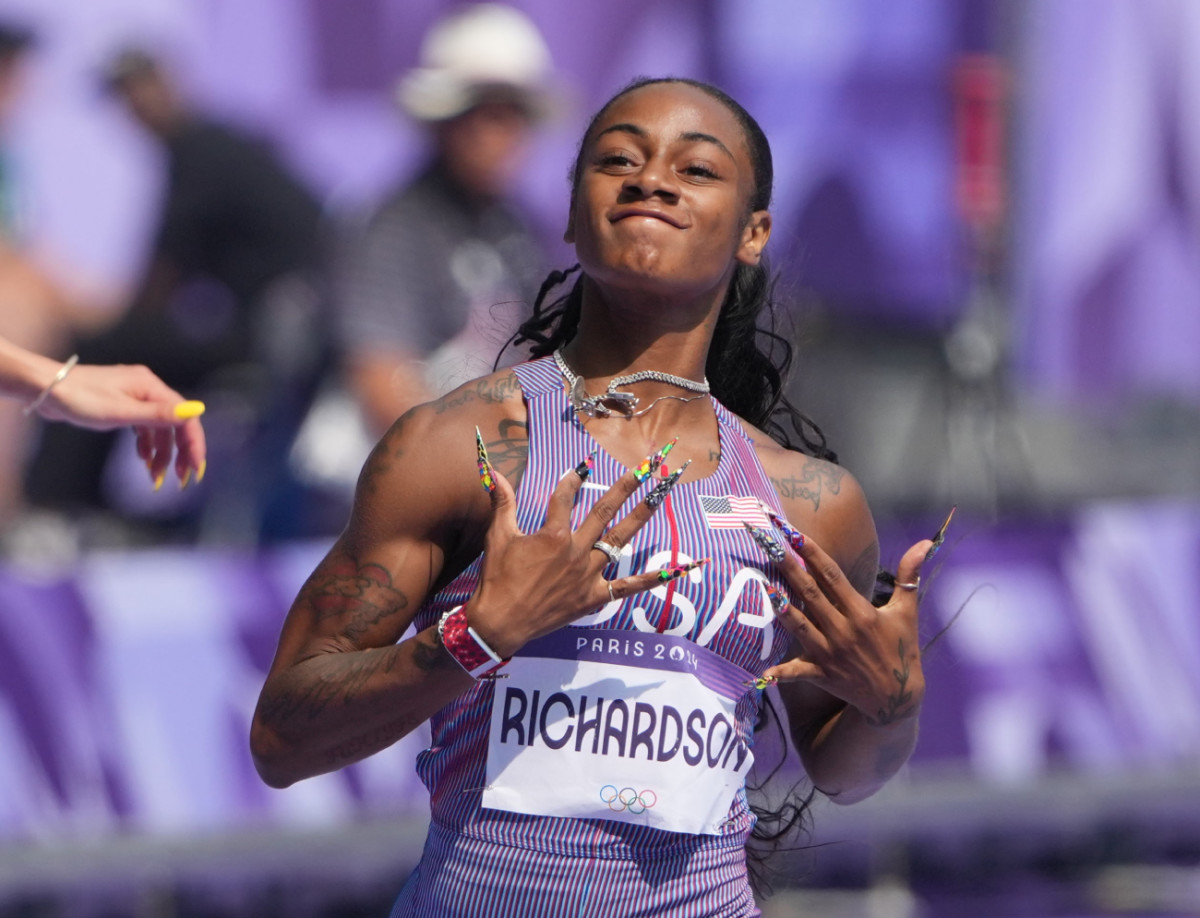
<point x="659" y="493"/>
<point x="766" y="541"/>
<point x="940" y="537"/>
<point x="762" y="682"/>
<point x="584" y="469"/>
<point x="793" y="535"/>
<point x="666" y="575"/>
<point x="651" y="463"/>
<point x="485" y="468"/>
<point x="778" y="598"/>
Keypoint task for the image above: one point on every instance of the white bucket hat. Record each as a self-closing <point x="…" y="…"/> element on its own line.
<point x="487" y="48"/>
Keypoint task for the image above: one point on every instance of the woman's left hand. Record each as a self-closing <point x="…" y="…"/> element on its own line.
<point x="868" y="656"/>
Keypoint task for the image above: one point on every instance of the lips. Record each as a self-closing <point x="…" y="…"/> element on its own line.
<point x="646" y="212"/>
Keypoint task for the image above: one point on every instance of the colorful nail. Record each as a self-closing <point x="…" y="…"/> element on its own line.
<point x="766" y="541"/>
<point x="201" y="470"/>
<point x="778" y="598"/>
<point x="159" y="479"/>
<point x="940" y="537"/>
<point x="763" y="681"/>
<point x="187" y="476"/>
<point x="187" y="410"/>
<point x="584" y="469"/>
<point x="666" y="575"/>
<point x="485" y="468"/>
<point x="793" y="535"/>
<point x="659" y="493"/>
<point x="651" y="463"/>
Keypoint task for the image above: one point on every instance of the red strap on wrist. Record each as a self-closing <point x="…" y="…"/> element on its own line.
<point x="467" y="648"/>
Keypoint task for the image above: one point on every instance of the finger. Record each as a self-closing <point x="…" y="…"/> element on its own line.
<point x="640" y="583"/>
<point x="164" y="448"/>
<point x="803" y="628"/>
<point x="820" y="567"/>
<point x="558" y="511"/>
<point x="908" y="572"/>
<point x="794" y="670"/>
<point x="620" y="534"/>
<point x="605" y="510"/>
<point x="190" y="451"/>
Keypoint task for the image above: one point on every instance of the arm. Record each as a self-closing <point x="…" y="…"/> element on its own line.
<point x="106" y="397"/>
<point x="340" y="687"/>
<point x="854" y="686"/>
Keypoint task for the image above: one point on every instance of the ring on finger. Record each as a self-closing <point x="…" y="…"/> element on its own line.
<point x="915" y="585"/>
<point x="614" y="553"/>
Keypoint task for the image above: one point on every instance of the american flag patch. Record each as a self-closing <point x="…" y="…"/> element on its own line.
<point x="730" y="512"/>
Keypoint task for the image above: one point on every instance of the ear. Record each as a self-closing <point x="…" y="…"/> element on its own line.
<point x="755" y="234"/>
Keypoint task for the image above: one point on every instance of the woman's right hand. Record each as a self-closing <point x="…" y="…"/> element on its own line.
<point x="534" y="583"/>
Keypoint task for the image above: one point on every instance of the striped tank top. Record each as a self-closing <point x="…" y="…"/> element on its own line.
<point x="727" y="612"/>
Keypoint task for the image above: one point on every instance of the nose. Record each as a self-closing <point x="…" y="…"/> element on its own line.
<point x="655" y="179"/>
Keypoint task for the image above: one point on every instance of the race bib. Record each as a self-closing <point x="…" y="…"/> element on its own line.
<point x="618" y="725"/>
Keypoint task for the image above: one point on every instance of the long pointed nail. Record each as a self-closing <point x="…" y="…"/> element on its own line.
<point x="159" y="479"/>
<point x="485" y="468"/>
<point x="793" y="535"/>
<point x="187" y="476"/>
<point x="763" y="681"/>
<point x="201" y="470"/>
<point x="674" y="573"/>
<point x="651" y="463"/>
<point x="940" y="536"/>
<point x="660" y="491"/>
<point x="767" y="543"/>
<point x="188" y="410"/>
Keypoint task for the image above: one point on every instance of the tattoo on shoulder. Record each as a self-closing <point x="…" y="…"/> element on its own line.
<point x="490" y="390"/>
<point x="360" y="595"/>
<point x="813" y="481"/>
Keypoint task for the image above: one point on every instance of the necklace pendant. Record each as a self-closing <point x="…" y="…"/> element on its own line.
<point x="584" y="403"/>
<point x="622" y="403"/>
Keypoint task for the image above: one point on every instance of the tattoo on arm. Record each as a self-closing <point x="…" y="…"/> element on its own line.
<point x="490" y="390"/>
<point x="811" y="483"/>
<point x="360" y="595"/>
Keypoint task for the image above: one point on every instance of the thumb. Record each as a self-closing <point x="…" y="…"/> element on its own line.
<point x="908" y="571"/>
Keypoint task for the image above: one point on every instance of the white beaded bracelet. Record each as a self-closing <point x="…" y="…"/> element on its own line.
<point x="58" y="377"/>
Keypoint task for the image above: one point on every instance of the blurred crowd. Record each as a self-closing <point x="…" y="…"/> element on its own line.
<point x="305" y="330"/>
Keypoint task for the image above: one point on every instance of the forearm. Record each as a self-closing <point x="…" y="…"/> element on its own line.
<point x="337" y="708"/>
<point x="852" y="757"/>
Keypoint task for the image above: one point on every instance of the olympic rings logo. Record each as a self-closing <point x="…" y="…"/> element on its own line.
<point x="627" y="799"/>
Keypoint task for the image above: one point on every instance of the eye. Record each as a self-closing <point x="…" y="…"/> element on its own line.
<point x="700" y="170"/>
<point x="613" y="161"/>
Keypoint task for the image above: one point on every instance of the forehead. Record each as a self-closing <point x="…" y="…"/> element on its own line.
<point x="675" y="109"/>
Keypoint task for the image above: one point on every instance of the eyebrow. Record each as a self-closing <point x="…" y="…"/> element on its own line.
<point x="625" y="127"/>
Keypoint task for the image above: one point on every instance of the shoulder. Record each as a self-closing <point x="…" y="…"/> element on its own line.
<point x="825" y="501"/>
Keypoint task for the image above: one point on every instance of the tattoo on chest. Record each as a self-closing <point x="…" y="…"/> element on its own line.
<point x="510" y="453"/>
<point x="814" y="480"/>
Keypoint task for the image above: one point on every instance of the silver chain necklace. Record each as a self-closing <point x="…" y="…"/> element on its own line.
<point x="623" y="403"/>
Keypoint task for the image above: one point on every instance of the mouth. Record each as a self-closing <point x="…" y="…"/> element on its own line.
<point x="653" y="214"/>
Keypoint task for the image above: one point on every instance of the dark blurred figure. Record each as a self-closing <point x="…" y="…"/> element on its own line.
<point x="230" y="308"/>
<point x="436" y="279"/>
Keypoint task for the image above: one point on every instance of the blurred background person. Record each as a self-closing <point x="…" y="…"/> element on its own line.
<point x="434" y="281"/>
<point x="229" y="307"/>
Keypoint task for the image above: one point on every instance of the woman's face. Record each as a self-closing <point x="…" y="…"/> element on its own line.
<point x="662" y="200"/>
